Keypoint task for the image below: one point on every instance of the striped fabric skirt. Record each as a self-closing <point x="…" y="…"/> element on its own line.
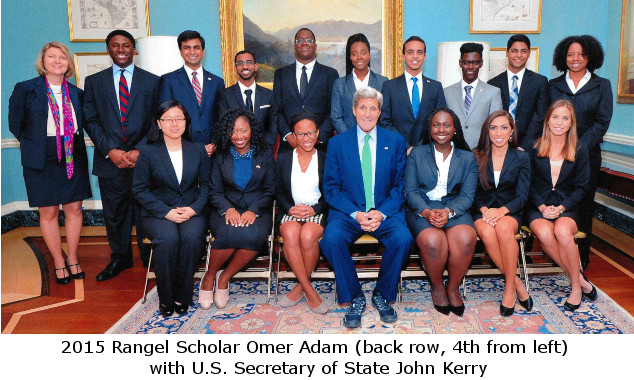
<point x="314" y="219"/>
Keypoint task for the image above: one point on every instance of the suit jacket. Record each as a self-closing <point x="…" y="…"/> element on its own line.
<point x="102" y="118"/>
<point x="283" y="190"/>
<point x="259" y="193"/>
<point x="571" y="185"/>
<point x="28" y="116"/>
<point x="177" y="86"/>
<point x="263" y="106"/>
<point x="421" y="176"/>
<point x="156" y="186"/>
<point x="397" y="114"/>
<point x="485" y="99"/>
<point x="532" y="103"/>
<point x="343" y="180"/>
<point x="593" y="107"/>
<point x="512" y="189"/>
<point x="342" y="93"/>
<point x="317" y="98"/>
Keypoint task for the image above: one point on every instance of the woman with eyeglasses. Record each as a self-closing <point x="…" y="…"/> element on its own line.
<point x="299" y="175"/>
<point x="242" y="192"/>
<point x="171" y="182"/>
<point x="358" y="74"/>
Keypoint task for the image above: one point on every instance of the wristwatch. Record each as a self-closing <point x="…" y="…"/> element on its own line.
<point x="451" y="212"/>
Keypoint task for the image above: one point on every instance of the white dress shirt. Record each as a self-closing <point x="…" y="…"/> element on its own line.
<point x="358" y="83"/>
<point x="582" y="82"/>
<point x="298" y="70"/>
<point x="443" y="175"/>
<point x="305" y="186"/>
<point x="128" y="74"/>
<point x="199" y="75"/>
<point x="473" y="84"/>
<point x="177" y="162"/>
<point x="520" y="76"/>
<point x="410" y="84"/>
<point x="243" y="88"/>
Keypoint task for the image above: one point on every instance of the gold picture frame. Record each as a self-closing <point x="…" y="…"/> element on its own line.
<point x="137" y="20"/>
<point x="499" y="54"/>
<point x="232" y="37"/>
<point x="524" y="17"/>
<point x="625" y="87"/>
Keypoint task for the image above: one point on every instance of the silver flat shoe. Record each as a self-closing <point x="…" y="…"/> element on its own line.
<point x="287" y="302"/>
<point x="321" y="309"/>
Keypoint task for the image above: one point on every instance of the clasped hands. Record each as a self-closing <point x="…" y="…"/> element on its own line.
<point x="233" y="217"/>
<point x="180" y="214"/>
<point x="123" y="159"/>
<point x="493" y="215"/>
<point x="370" y="220"/>
<point x="551" y="212"/>
<point x="301" y="211"/>
<point x="436" y="217"/>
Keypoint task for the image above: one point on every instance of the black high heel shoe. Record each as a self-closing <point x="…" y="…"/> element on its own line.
<point x="443" y="309"/>
<point x="77" y="276"/>
<point x="63" y="280"/>
<point x="458" y="310"/>
<point x="592" y="294"/>
<point x="506" y="311"/>
<point x="570" y="307"/>
<point x="166" y="311"/>
<point x="527" y="303"/>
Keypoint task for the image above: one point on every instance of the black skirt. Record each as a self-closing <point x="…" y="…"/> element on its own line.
<point x="552" y="200"/>
<point x="252" y="238"/>
<point x="51" y="186"/>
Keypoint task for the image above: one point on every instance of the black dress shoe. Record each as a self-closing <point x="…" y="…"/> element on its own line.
<point x="166" y="311"/>
<point x="181" y="309"/>
<point x="77" y="276"/>
<point x="570" y="307"/>
<point x="443" y="309"/>
<point x="62" y="280"/>
<point x="527" y="303"/>
<point x="458" y="310"/>
<point x="592" y="294"/>
<point x="506" y="311"/>
<point x="112" y="270"/>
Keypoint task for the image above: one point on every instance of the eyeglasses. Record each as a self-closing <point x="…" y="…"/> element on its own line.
<point x="304" y="134"/>
<point x="170" y="120"/>
<point x="467" y="63"/>
<point x="245" y="63"/>
<point x="309" y="41"/>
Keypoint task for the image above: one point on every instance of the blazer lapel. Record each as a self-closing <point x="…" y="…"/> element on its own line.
<point x="238" y="95"/>
<point x="190" y="166"/>
<point x="108" y="84"/>
<point x="566" y="167"/>
<point x="560" y="84"/>
<point x="187" y="85"/>
<point x="425" y="99"/>
<point x="290" y="77"/>
<point x="478" y="94"/>
<point x="314" y="78"/>
<point x="137" y="82"/>
<point x="350" y="87"/>
<point x="454" y="166"/>
<point x="525" y="89"/>
<point x="165" y="159"/>
<point x="42" y="95"/>
<point x="509" y="159"/>
<point x="74" y="98"/>
<point x="355" y="164"/>
<point x="257" y="101"/>
<point x="504" y="89"/>
<point x="402" y="84"/>
<point x="592" y="84"/>
<point x="457" y="93"/>
<point x="373" y="80"/>
<point x="256" y="170"/>
<point x="429" y="157"/>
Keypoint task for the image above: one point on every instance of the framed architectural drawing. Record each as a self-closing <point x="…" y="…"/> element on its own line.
<point x="505" y="16"/>
<point x="498" y="62"/>
<point x="248" y="24"/>
<point x="92" y="20"/>
<point x="625" y="88"/>
<point x="90" y="63"/>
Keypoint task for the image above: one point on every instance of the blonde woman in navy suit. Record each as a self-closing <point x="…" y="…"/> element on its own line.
<point x="45" y="115"/>
<point x="561" y="173"/>
<point x="242" y="192"/>
<point x="504" y="177"/>
<point x="440" y="183"/>
<point x="171" y="182"/>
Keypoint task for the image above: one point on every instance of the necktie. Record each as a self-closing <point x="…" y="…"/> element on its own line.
<point x="197" y="89"/>
<point x="303" y="82"/>
<point x="366" y="170"/>
<point x="513" y="97"/>
<point x="415" y="97"/>
<point x="467" y="98"/>
<point x="124" y="95"/>
<point x="248" y="93"/>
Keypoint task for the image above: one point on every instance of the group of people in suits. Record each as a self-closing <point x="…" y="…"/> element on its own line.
<point x="402" y="160"/>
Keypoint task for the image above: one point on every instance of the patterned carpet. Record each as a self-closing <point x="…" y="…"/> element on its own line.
<point x="247" y="313"/>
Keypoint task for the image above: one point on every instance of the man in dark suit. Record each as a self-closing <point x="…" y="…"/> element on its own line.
<point x="251" y="96"/>
<point x="363" y="184"/>
<point x="195" y="88"/>
<point x="118" y="106"/>
<point x="530" y="97"/>
<point x="305" y="84"/>
<point x="410" y="98"/>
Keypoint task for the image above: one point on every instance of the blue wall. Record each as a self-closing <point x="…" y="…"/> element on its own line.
<point x="26" y="26"/>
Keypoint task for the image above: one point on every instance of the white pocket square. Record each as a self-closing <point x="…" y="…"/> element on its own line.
<point x="265" y="106"/>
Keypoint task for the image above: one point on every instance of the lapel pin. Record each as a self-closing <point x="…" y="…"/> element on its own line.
<point x="428" y="81"/>
<point x="481" y="90"/>
<point x="386" y="148"/>
<point x="257" y="166"/>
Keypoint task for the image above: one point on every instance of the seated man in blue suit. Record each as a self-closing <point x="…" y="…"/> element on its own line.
<point x="251" y="96"/>
<point x="410" y="98"/>
<point x="364" y="189"/>
<point x="304" y="84"/>
<point x="195" y="88"/>
<point x="524" y="92"/>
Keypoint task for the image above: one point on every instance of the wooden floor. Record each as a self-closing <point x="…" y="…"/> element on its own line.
<point x="86" y="306"/>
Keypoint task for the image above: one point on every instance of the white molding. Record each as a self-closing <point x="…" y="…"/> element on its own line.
<point x="616" y="138"/>
<point x="24" y="206"/>
<point x="618" y="159"/>
<point x="14" y="143"/>
<point x="614" y="204"/>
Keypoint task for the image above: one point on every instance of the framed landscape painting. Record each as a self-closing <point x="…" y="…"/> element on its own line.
<point x="625" y="88"/>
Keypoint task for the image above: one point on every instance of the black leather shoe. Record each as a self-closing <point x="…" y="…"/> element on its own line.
<point x="527" y="303"/>
<point x="77" y="276"/>
<point x="166" y="311"/>
<point x="112" y="270"/>
<point x="570" y="307"/>
<point x="458" y="310"/>
<point x="592" y="294"/>
<point x="506" y="311"/>
<point x="443" y="309"/>
<point x="62" y="280"/>
<point x="181" y="309"/>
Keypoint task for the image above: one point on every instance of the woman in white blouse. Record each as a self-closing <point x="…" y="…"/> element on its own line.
<point x="171" y="182"/>
<point x="299" y="175"/>
<point x="440" y="183"/>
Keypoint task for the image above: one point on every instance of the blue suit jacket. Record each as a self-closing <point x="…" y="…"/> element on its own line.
<point x="421" y="176"/>
<point x="397" y="114"/>
<point x="28" y="115"/>
<point x="263" y="106"/>
<point x="156" y="186"/>
<point x="341" y="103"/>
<point x="317" y="98"/>
<point x="102" y="118"/>
<point x="176" y="86"/>
<point x="343" y="180"/>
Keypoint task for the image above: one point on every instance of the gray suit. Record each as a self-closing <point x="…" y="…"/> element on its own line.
<point x="486" y="99"/>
